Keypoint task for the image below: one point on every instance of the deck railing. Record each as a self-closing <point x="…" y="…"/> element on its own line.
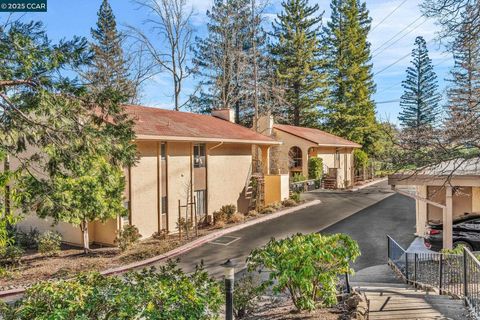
<point x="457" y="275"/>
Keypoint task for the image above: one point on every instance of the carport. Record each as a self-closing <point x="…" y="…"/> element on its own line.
<point x="447" y="191"/>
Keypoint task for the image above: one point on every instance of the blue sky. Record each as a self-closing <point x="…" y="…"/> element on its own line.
<point x="67" y="18"/>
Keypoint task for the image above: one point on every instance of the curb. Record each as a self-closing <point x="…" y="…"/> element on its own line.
<point x="186" y="247"/>
<point x="202" y="240"/>
<point x="368" y="184"/>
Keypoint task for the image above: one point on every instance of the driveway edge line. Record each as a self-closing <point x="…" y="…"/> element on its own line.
<point x="186" y="247"/>
<point x="202" y="240"/>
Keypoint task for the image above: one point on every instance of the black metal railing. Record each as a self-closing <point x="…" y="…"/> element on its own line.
<point x="457" y="275"/>
<point x="306" y="185"/>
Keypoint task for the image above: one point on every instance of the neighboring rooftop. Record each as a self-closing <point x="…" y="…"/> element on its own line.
<point x="317" y="136"/>
<point x="453" y="170"/>
<point x="161" y="124"/>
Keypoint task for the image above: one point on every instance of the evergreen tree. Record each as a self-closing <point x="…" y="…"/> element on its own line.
<point x="74" y="172"/>
<point x="350" y="111"/>
<point x="297" y="56"/>
<point x="221" y="58"/>
<point x="420" y="101"/>
<point x="464" y="93"/>
<point x="108" y="71"/>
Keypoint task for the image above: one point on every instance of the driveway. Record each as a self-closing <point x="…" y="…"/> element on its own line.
<point x="367" y="215"/>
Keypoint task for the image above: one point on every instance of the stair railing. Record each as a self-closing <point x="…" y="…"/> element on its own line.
<point x="457" y="275"/>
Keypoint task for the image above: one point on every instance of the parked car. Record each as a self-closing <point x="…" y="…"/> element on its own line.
<point x="466" y="232"/>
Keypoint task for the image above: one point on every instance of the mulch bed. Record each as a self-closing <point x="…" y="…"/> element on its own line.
<point x="71" y="260"/>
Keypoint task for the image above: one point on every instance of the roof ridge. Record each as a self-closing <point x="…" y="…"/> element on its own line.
<point x="316" y="129"/>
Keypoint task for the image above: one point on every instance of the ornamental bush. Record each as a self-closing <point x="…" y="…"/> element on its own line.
<point x="307" y="267"/>
<point x="127" y="237"/>
<point x="315" y="168"/>
<point x="49" y="243"/>
<point x="162" y="294"/>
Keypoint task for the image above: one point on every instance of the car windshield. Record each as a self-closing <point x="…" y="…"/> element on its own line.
<point x="466" y="217"/>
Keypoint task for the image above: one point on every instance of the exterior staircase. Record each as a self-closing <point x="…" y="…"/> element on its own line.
<point x="391" y="298"/>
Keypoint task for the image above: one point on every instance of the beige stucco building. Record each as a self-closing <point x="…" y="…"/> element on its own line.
<point x="300" y="143"/>
<point x="442" y="193"/>
<point x="182" y="157"/>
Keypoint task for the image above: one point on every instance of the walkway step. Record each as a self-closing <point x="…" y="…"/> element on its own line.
<point x="402" y="302"/>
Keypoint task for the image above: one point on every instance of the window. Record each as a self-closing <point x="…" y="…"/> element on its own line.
<point x="201" y="199"/>
<point x="199" y="155"/>
<point x="164" y="205"/>
<point x="163" y="151"/>
<point x="295" y="154"/>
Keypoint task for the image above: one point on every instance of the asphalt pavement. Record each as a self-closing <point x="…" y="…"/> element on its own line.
<point x="367" y="215"/>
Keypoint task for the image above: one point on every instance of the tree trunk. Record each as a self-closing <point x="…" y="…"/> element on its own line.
<point x="86" y="240"/>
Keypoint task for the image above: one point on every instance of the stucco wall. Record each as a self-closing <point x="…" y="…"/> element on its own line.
<point x="144" y="189"/>
<point x="276" y="188"/>
<point x="476" y="199"/>
<point x="462" y="202"/>
<point x="105" y="233"/>
<point x="345" y="170"/>
<point x="227" y="171"/>
<point x="179" y="166"/>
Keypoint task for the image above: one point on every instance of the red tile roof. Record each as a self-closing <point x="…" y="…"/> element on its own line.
<point x="316" y="136"/>
<point x="162" y="124"/>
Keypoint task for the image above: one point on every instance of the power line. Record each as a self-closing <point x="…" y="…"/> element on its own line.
<point x="387" y="101"/>
<point x="391" y="65"/>
<point x="399" y="83"/>
<point x="388" y="15"/>
<point x="406" y="34"/>
<point x="398" y="33"/>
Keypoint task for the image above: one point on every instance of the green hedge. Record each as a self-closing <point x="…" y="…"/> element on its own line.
<point x="315" y="168"/>
<point x="164" y="293"/>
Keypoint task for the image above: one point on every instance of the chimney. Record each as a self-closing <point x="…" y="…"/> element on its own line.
<point x="225" y="114"/>
<point x="265" y="125"/>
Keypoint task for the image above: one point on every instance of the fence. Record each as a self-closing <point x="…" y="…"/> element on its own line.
<point x="457" y="275"/>
<point x="306" y="185"/>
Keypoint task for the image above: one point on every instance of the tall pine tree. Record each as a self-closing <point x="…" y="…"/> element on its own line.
<point x="298" y="61"/>
<point x="463" y="120"/>
<point x="420" y="101"/>
<point x="221" y="58"/>
<point x="108" y="69"/>
<point x="350" y="111"/>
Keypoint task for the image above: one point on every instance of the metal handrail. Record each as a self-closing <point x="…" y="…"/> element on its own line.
<point x="457" y="275"/>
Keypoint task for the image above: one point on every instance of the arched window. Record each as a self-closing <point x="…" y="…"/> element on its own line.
<point x="295" y="154"/>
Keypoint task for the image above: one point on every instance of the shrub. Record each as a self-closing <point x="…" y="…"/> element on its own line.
<point x="162" y="235"/>
<point x="297" y="177"/>
<point x="219" y="216"/>
<point x="295" y="196"/>
<point x="220" y="224"/>
<point x="27" y="239"/>
<point x="236" y="217"/>
<point x="11" y="255"/>
<point x="360" y="158"/>
<point x="252" y="213"/>
<point x="127" y="237"/>
<point x="267" y="210"/>
<point x="289" y="203"/>
<point x="228" y="210"/>
<point x="315" y="168"/>
<point x="306" y="266"/>
<point x="164" y="293"/>
<point x="49" y="243"/>
<point x="184" y="225"/>
<point x="246" y="296"/>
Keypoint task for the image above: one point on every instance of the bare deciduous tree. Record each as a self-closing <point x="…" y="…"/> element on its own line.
<point x="170" y="21"/>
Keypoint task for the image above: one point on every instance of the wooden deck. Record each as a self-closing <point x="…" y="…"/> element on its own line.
<point x="402" y="302"/>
